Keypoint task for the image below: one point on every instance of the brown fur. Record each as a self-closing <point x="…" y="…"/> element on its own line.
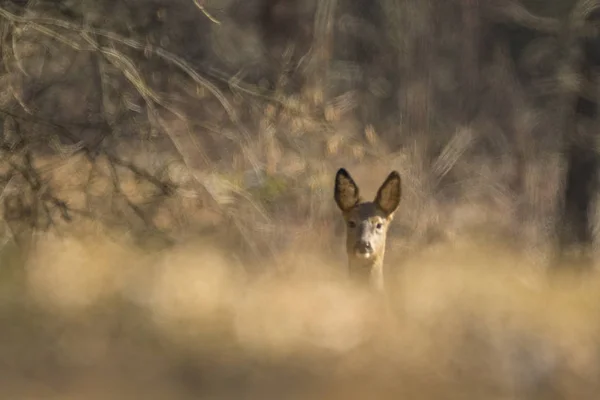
<point x="367" y="224"/>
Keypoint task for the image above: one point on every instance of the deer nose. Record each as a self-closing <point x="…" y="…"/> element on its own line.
<point x="364" y="247"/>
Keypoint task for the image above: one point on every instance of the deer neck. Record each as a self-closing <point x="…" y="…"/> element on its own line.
<point x="370" y="271"/>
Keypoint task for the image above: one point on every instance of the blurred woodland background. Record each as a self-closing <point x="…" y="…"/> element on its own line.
<point x="172" y="118"/>
<point x="165" y="121"/>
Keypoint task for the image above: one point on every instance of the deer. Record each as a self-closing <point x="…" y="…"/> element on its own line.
<point x="367" y="224"/>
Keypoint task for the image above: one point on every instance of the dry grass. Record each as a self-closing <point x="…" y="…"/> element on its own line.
<point x="97" y="319"/>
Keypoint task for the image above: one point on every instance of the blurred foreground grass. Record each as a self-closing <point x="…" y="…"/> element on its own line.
<point x="93" y="318"/>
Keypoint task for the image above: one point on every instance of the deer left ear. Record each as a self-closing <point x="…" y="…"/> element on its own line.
<point x="388" y="195"/>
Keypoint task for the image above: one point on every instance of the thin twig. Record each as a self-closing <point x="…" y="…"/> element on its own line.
<point x="201" y="7"/>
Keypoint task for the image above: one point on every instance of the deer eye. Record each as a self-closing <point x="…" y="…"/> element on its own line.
<point x="379" y="225"/>
<point x="351" y="224"/>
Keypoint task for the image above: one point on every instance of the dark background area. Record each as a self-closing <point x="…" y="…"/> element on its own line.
<point x="255" y="95"/>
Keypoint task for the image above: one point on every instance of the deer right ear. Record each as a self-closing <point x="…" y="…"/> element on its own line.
<point x="388" y="195"/>
<point x="346" y="191"/>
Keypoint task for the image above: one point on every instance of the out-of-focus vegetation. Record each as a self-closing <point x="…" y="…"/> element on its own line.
<point x="166" y="118"/>
<point x="131" y="127"/>
<point x="96" y="318"/>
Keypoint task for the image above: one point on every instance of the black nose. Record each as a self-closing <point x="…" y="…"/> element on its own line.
<point x="363" y="247"/>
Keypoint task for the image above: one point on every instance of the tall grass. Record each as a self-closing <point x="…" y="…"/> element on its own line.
<point x="95" y="318"/>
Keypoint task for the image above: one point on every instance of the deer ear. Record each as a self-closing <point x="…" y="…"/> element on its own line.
<point x="345" y="191"/>
<point x="388" y="195"/>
